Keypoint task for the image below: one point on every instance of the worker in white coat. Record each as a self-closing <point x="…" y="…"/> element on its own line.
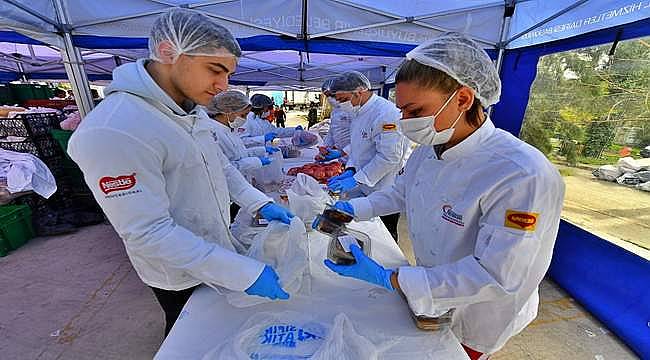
<point x="257" y="130"/>
<point x="378" y="149"/>
<point x="483" y="207"/>
<point x="337" y="140"/>
<point x="229" y="109"/>
<point x="154" y="167"/>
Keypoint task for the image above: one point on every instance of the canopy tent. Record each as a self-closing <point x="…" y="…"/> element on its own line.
<point x="297" y="43"/>
<point x="266" y="69"/>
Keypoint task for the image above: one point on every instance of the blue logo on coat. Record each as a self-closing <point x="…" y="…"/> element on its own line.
<point x="451" y="216"/>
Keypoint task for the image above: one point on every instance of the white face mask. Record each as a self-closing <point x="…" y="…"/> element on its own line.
<point x="422" y="129"/>
<point x="265" y="114"/>
<point x="237" y="122"/>
<point x="346" y="106"/>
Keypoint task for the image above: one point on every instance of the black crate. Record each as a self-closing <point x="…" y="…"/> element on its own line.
<point x="26" y="146"/>
<point x="40" y="124"/>
<point x="13" y="127"/>
<point x="29" y="125"/>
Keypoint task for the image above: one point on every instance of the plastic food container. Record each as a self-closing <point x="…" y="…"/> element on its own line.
<point x="338" y="252"/>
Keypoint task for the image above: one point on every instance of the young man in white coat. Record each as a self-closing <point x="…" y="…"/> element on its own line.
<point x="483" y="207"/>
<point x="158" y="173"/>
<point x="378" y="150"/>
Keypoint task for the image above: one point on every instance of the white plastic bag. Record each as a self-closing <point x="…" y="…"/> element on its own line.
<point x="344" y="343"/>
<point x="307" y="198"/>
<point x="271" y="173"/>
<point x="628" y="165"/>
<point x="607" y="172"/>
<point x="244" y="232"/>
<point x="291" y="335"/>
<point x="283" y="247"/>
<point x="645" y="186"/>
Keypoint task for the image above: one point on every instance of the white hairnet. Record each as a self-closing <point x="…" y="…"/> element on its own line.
<point x="261" y="101"/>
<point x="350" y="81"/>
<point x="327" y="84"/>
<point x="465" y="61"/>
<point x="192" y="33"/>
<point x="228" y="102"/>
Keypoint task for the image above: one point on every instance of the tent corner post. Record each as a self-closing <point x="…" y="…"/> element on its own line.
<point x="73" y="63"/>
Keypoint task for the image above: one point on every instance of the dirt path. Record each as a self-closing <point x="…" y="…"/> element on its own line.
<point x="612" y="211"/>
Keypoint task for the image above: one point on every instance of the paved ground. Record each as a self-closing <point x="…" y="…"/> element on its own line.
<point x="77" y="297"/>
<point x="612" y="211"/>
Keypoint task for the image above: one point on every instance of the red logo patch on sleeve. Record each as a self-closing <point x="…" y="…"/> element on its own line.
<point x="109" y="184"/>
<point x="240" y="130"/>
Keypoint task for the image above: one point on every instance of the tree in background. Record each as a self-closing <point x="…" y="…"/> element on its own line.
<point x="583" y="96"/>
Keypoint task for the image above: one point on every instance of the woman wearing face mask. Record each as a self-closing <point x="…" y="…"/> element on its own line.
<point x="257" y="130"/>
<point x="228" y="109"/>
<point x="483" y="207"/>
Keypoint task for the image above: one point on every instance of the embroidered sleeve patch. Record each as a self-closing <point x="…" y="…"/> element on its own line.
<point x="108" y="184"/>
<point x="521" y="220"/>
<point x="241" y="130"/>
<point x="389" y="127"/>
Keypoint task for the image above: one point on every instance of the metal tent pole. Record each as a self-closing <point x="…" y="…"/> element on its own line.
<point x="73" y="62"/>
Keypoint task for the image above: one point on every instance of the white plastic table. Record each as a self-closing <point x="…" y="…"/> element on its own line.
<point x="207" y="320"/>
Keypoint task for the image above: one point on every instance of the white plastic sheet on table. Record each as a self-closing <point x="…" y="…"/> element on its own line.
<point x="377" y="314"/>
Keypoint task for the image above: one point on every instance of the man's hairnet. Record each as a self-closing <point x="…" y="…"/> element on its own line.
<point x="350" y="81"/>
<point x="192" y="33"/>
<point x="464" y="60"/>
<point x="261" y="101"/>
<point x="228" y="102"/>
<point x="327" y="84"/>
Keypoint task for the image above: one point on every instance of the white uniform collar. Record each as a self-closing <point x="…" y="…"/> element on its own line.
<point x="368" y="103"/>
<point x="471" y="143"/>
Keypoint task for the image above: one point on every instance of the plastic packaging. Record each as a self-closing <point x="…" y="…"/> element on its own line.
<point x="283" y="247"/>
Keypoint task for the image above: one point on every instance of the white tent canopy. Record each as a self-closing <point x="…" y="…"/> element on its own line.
<point x="299" y="43"/>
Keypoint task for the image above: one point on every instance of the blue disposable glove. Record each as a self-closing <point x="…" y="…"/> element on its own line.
<point x="365" y="269"/>
<point x="265" y="160"/>
<point x="267" y="285"/>
<point x="272" y="211"/>
<point x="270" y="136"/>
<point x="343" y="185"/>
<point x="333" y="154"/>
<point x="345" y="206"/>
<point x="271" y="149"/>
<point x="299" y="127"/>
<point x="345" y="174"/>
<point x="341" y="205"/>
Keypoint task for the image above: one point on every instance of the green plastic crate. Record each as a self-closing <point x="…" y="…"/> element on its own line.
<point x="6" y="97"/>
<point x="62" y="137"/>
<point x="15" y="227"/>
<point x="22" y="92"/>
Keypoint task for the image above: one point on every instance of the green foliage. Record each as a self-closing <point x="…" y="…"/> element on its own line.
<point x="599" y="136"/>
<point x="582" y="97"/>
<point x="533" y="133"/>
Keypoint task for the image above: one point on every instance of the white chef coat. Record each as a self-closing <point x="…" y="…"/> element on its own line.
<point x="164" y="184"/>
<point x="483" y="220"/>
<point x="378" y="150"/>
<point x="253" y="130"/>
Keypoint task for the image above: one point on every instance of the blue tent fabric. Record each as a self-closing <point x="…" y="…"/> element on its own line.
<point x="14" y="37"/>
<point x="609" y="281"/>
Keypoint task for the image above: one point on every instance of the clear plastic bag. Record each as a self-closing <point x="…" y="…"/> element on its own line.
<point x="290" y="335"/>
<point x="307" y="198"/>
<point x="270" y="174"/>
<point x="283" y="247"/>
